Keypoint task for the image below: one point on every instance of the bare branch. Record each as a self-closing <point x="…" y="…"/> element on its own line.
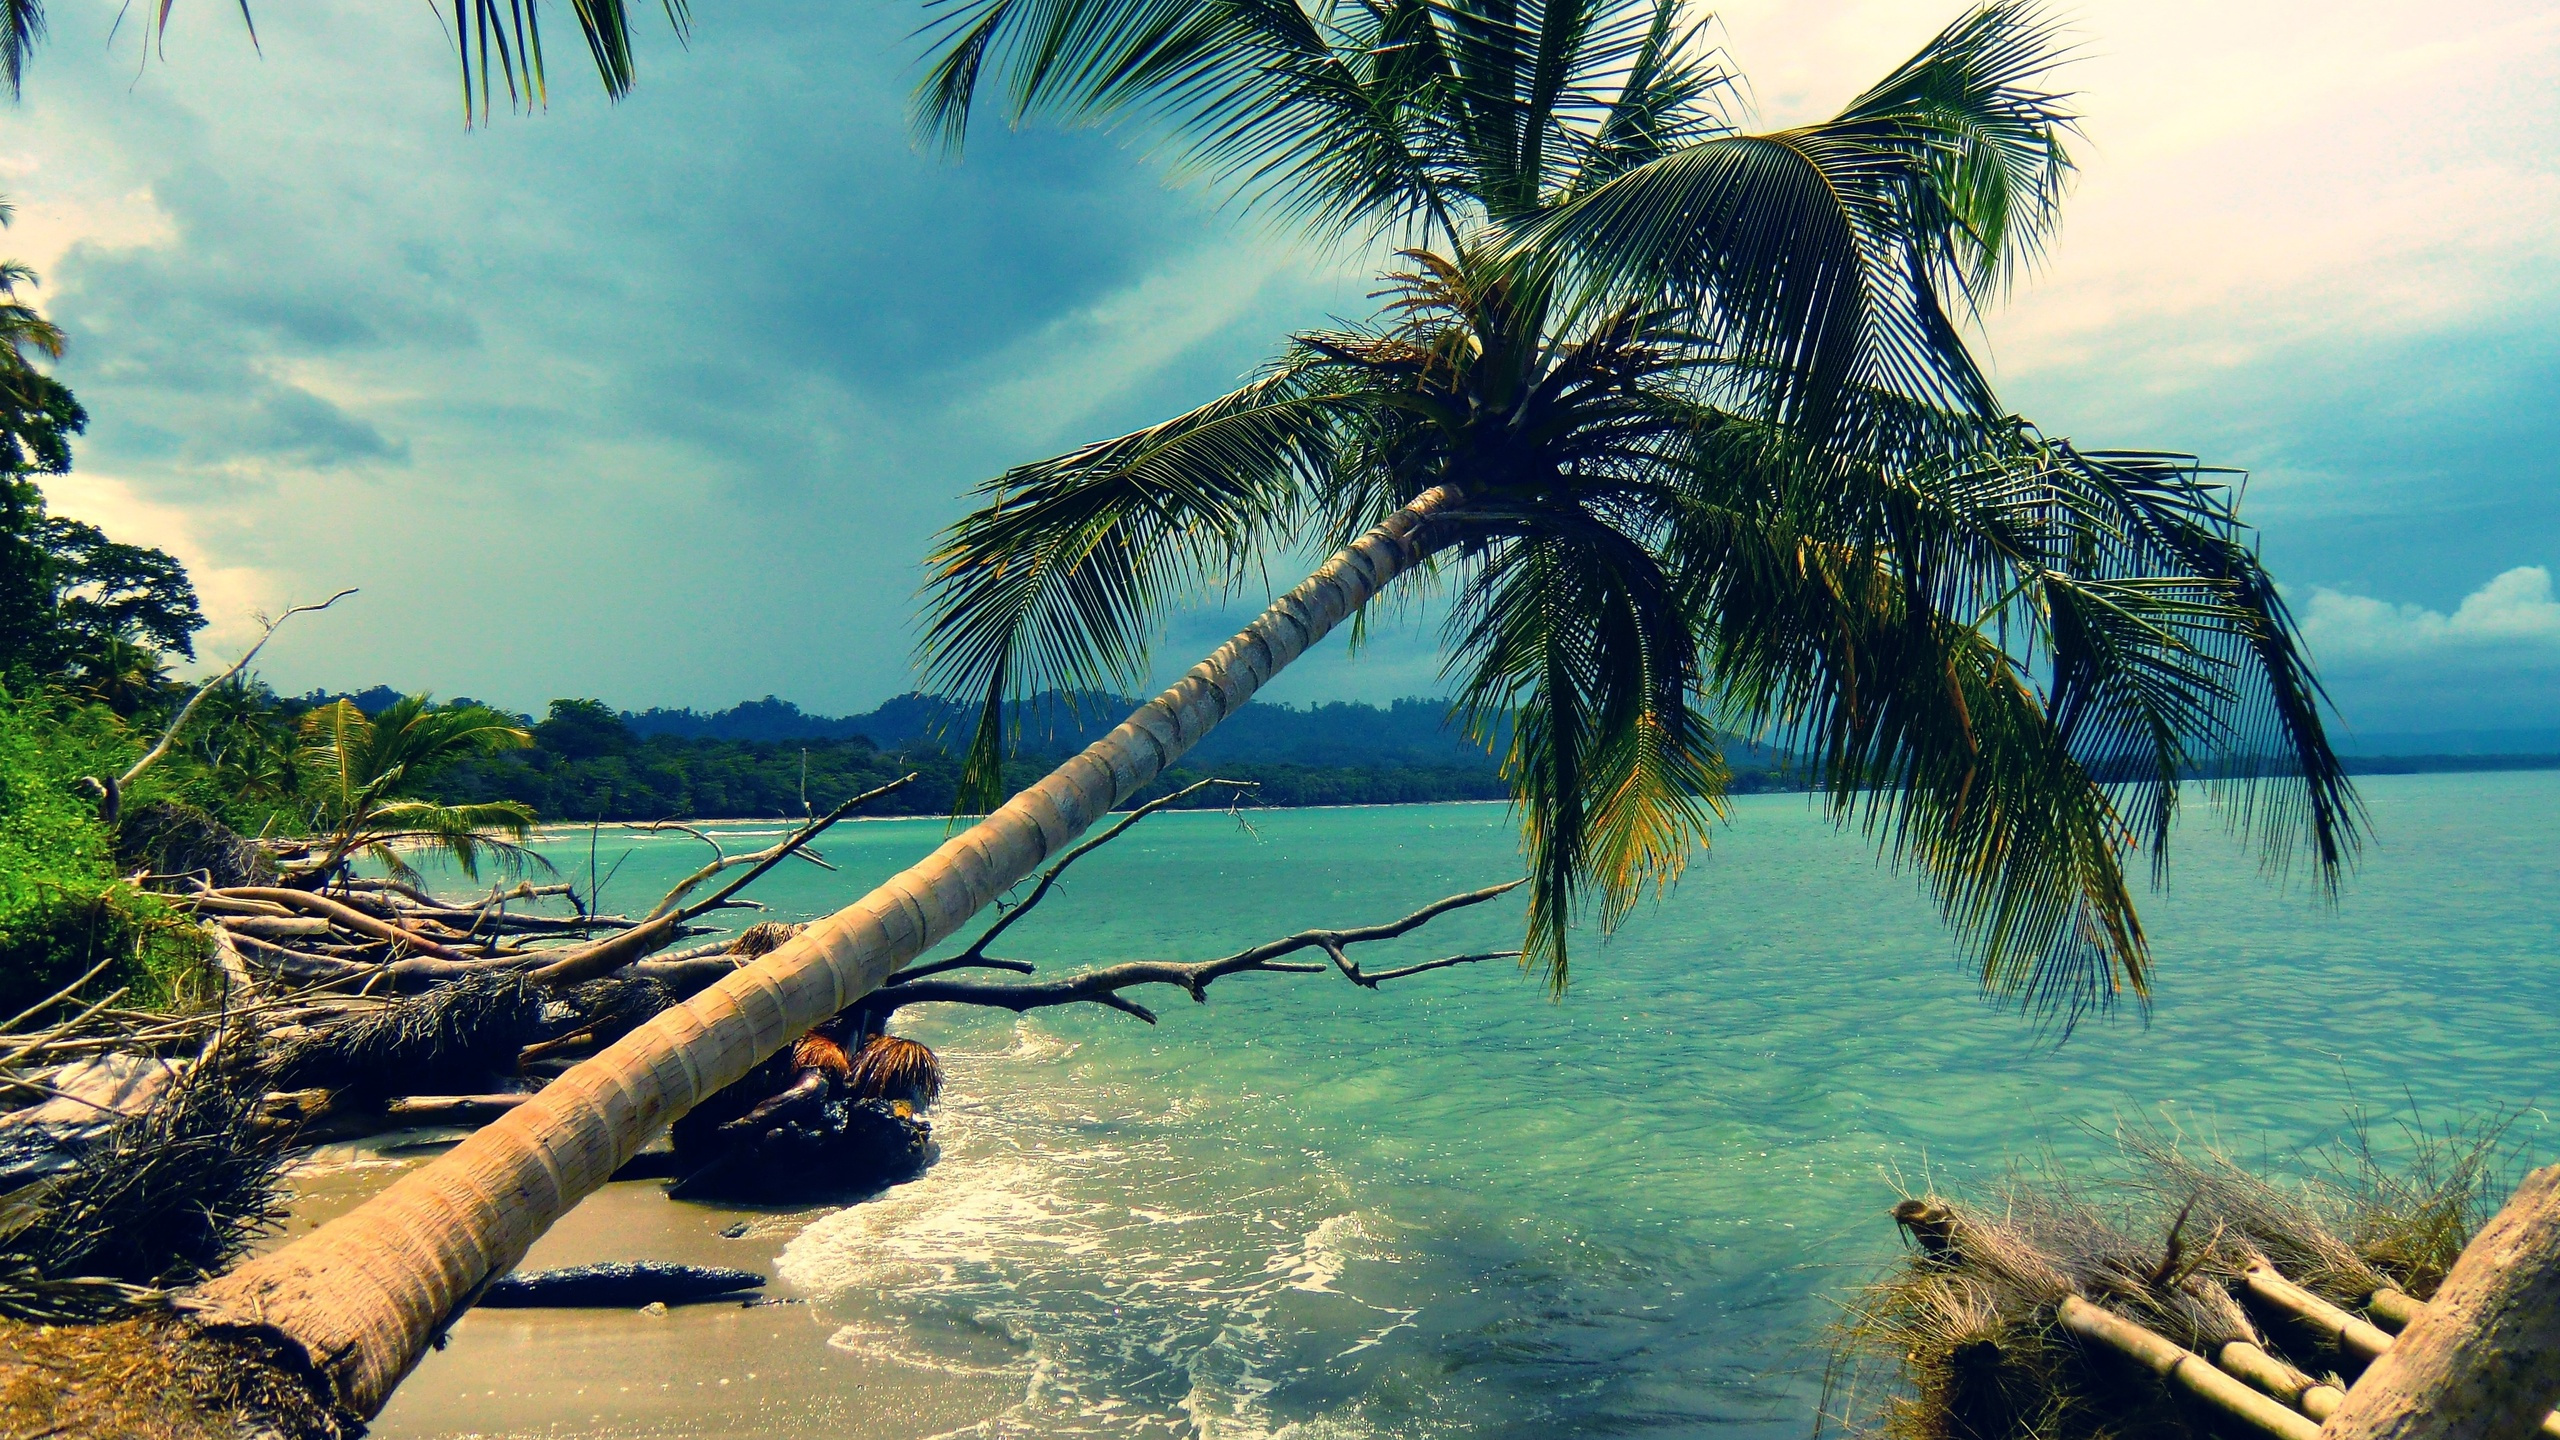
<point x="115" y="790"/>
<point x="665" y="924"/>
<point x="1049" y="877"/>
<point x="1103" y="986"/>
<point x="965" y="962"/>
<point x="345" y="916"/>
<point x="762" y="860"/>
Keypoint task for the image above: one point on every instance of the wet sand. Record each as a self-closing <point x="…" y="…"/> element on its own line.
<point x="709" y="1370"/>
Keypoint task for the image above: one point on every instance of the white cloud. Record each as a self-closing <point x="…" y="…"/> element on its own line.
<point x="1053" y="380"/>
<point x="2515" y="611"/>
<point x="233" y="595"/>
<point x="2250" y="175"/>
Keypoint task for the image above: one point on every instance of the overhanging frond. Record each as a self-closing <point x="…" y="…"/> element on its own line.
<point x="1057" y="581"/>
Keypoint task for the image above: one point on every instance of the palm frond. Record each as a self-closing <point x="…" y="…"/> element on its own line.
<point x="1057" y="581"/>
<point x="1576" y="640"/>
<point x="1819" y="258"/>
<point x="22" y="29"/>
<point x="2006" y="665"/>
<point x="463" y="833"/>
<point x="497" y="44"/>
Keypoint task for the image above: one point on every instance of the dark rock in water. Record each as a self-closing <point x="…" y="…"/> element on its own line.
<point x="167" y="837"/>
<point x="831" y="1147"/>
<point x="617" y="1286"/>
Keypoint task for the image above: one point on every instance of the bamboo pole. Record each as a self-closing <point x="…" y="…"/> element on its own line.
<point x="2481" y="1362"/>
<point x="2286" y="1383"/>
<point x="2184" y="1370"/>
<point x="2360" y="1339"/>
<point x="2394" y="1310"/>
<point x="2399" y="1310"/>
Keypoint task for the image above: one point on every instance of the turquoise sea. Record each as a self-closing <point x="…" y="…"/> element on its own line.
<point x="1458" y="1206"/>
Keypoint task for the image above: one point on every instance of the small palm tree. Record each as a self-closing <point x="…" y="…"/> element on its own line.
<point x="367" y="772"/>
<point x="37" y="415"/>
<point x="123" y="676"/>
<point x="250" y="748"/>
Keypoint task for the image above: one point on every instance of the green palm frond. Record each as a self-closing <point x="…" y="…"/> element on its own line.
<point x="1057" y="582"/>
<point x="1821" y="259"/>
<point x="464" y="833"/>
<point x="1577" y="640"/>
<point x="497" y="44"/>
<point x="22" y="29"/>
<point x="2008" y="665"/>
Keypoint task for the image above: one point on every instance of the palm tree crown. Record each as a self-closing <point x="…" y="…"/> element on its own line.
<point x="1723" y="459"/>
<point x="368" y="770"/>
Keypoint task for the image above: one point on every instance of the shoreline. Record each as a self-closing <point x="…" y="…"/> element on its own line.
<point x="2375" y="766"/>
<point x="556" y="830"/>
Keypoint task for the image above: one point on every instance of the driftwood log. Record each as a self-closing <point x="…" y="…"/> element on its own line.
<point x="617" y="1286"/>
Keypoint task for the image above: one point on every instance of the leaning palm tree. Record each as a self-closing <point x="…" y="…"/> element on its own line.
<point x="367" y="772"/>
<point x="1678" y="417"/>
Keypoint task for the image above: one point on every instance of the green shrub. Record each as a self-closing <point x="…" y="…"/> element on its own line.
<point x="62" y="907"/>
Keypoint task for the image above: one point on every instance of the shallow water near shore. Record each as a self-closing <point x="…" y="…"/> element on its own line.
<point x="1456" y="1206"/>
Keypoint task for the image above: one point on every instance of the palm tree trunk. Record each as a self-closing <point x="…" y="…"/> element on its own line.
<point x="363" y="1296"/>
<point x="2483" y="1361"/>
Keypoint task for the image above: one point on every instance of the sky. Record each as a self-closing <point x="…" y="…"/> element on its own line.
<point x="662" y="401"/>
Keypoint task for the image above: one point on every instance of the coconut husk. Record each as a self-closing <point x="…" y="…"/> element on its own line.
<point x="891" y="1067"/>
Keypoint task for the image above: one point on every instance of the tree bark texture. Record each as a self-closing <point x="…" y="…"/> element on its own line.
<point x="363" y="1296"/>
<point x="2482" y="1360"/>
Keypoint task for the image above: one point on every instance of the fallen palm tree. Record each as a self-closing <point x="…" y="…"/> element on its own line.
<point x="330" y="1028"/>
<point x="2188" y="1296"/>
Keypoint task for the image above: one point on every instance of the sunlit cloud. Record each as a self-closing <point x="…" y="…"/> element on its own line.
<point x="2514" y="611"/>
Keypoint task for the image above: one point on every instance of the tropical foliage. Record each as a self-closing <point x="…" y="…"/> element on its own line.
<point x="63" y="911"/>
<point x="1720" y="455"/>
<point x="368" y="773"/>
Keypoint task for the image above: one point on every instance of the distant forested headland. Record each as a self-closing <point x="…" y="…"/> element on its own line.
<point x="589" y="761"/>
<point x="768" y="757"/>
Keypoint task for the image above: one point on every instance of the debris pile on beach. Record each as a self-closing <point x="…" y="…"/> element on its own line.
<point x="2184" y="1297"/>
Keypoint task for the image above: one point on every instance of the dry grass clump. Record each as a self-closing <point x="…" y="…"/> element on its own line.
<point x="1960" y="1341"/>
<point x="454" y="1033"/>
<point x="2367" y="1213"/>
<point x="154" y="1377"/>
<point x="162" y="1200"/>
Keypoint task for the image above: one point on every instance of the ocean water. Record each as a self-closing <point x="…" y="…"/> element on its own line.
<point x="1458" y="1205"/>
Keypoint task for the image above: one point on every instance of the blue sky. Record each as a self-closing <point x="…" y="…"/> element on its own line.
<point x="662" y="401"/>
